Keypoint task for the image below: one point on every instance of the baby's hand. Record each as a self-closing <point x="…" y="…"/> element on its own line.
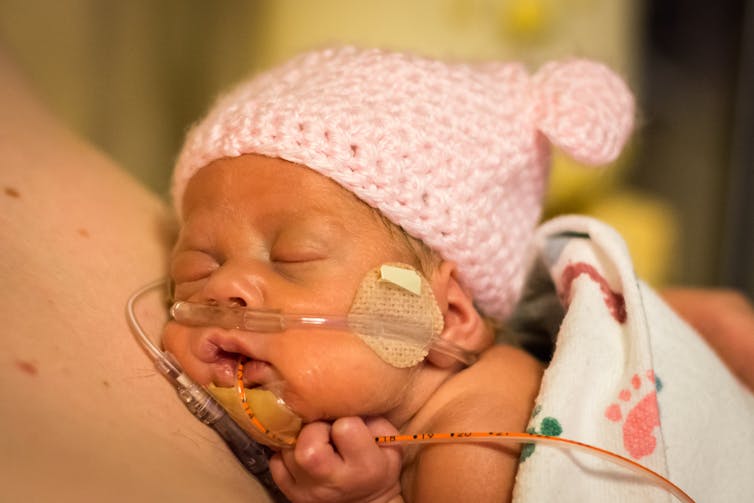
<point x="340" y="462"/>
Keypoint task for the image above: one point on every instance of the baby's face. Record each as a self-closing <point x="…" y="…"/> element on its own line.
<point x="264" y="233"/>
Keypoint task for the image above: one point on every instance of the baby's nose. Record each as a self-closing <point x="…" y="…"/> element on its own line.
<point x="229" y="287"/>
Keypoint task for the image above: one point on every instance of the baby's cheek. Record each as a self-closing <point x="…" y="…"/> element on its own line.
<point x="306" y="373"/>
<point x="341" y="377"/>
<point x="176" y="340"/>
<point x="181" y="341"/>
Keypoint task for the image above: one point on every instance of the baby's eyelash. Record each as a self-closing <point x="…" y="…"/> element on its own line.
<point x="297" y="265"/>
<point x="296" y="256"/>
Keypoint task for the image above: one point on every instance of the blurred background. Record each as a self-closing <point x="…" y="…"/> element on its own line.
<point x="132" y="76"/>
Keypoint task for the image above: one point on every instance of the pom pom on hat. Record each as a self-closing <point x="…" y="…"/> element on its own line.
<point x="584" y="109"/>
<point x="456" y="154"/>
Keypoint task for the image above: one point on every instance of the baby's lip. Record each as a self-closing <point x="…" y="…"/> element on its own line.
<point x="256" y="372"/>
<point x="216" y="341"/>
<point x="223" y="372"/>
<point x="221" y="350"/>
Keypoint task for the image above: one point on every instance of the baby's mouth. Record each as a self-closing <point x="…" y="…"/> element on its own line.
<point x="212" y="359"/>
<point x="223" y="369"/>
<point x="257" y="405"/>
<point x="220" y="350"/>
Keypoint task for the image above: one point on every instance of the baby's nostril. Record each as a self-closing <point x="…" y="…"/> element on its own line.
<point x="237" y="301"/>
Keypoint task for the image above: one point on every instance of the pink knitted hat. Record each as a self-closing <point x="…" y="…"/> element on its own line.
<point x="456" y="154"/>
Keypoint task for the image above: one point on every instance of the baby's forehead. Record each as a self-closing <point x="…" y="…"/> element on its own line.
<point x="255" y="178"/>
<point x="271" y="188"/>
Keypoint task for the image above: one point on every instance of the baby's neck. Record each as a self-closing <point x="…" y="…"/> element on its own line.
<point x="426" y="382"/>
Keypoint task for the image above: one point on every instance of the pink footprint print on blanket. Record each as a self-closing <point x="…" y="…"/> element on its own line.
<point x="642" y="417"/>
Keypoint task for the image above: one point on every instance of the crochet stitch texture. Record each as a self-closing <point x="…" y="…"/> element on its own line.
<point x="457" y="154"/>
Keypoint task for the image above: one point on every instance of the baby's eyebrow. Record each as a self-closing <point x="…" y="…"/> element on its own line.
<point x="319" y="224"/>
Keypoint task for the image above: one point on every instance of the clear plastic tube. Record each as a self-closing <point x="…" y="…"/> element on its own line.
<point x="253" y="320"/>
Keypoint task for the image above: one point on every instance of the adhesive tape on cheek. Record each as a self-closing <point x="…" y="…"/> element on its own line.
<point x="400" y="293"/>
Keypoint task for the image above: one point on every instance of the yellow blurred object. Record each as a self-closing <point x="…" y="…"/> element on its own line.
<point x="647" y="224"/>
<point x="532" y="31"/>
<point x="527" y="19"/>
<point x="649" y="227"/>
<point x="573" y="185"/>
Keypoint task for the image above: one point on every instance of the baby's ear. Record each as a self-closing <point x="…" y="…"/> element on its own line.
<point x="464" y="326"/>
<point x="584" y="109"/>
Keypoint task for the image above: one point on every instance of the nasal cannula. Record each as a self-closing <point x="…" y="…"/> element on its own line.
<point x="254" y="320"/>
<point x="253" y="456"/>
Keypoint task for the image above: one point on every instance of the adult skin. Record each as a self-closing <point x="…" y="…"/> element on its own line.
<point x="83" y="414"/>
<point x="725" y="318"/>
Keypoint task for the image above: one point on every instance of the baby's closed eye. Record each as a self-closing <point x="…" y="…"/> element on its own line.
<point x="297" y="254"/>
<point x="298" y="246"/>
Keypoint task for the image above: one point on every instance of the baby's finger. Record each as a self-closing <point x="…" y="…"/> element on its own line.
<point x="366" y="462"/>
<point x="354" y="440"/>
<point x="379" y="426"/>
<point x="313" y="457"/>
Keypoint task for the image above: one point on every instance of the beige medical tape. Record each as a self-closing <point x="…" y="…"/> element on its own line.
<point x="402" y="295"/>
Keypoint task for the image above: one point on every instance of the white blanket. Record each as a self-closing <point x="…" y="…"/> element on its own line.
<point x="629" y="376"/>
